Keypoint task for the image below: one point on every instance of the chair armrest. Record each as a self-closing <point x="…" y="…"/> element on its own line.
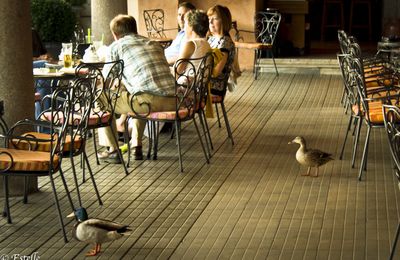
<point x="147" y="106"/>
<point x="238" y="35"/>
<point x="14" y="139"/>
<point x="171" y="29"/>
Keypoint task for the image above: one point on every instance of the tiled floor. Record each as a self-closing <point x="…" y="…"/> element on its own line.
<point x="250" y="202"/>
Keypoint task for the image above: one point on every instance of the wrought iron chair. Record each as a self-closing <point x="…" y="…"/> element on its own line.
<point x="222" y="79"/>
<point x="371" y="102"/>
<point x="191" y="86"/>
<point x="391" y="115"/>
<point x="26" y="155"/>
<point x="75" y="142"/>
<point x="154" y="21"/>
<point x="105" y="95"/>
<point x="351" y="100"/>
<point x="266" y="26"/>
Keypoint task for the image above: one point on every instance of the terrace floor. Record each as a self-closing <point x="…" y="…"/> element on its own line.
<point x="250" y="202"/>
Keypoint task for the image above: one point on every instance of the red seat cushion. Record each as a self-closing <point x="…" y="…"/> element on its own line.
<point x="99" y="117"/>
<point x="170" y="115"/>
<point x="216" y="99"/>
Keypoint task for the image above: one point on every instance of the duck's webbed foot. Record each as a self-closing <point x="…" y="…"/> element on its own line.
<point x="308" y="172"/>
<point x="94" y="251"/>
<point x="316" y="172"/>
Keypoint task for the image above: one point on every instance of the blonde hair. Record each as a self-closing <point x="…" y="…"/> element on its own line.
<point x="123" y="24"/>
<point x="224" y="14"/>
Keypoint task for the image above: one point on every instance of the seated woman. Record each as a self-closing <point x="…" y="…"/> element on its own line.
<point x="196" y="45"/>
<point x="220" y="22"/>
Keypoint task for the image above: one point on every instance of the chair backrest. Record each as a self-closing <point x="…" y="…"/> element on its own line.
<point x="343" y="41"/>
<point x="81" y="100"/>
<point x="191" y="84"/>
<point x="154" y="21"/>
<point x="107" y="85"/>
<point x="266" y="26"/>
<point x="391" y="117"/>
<point x="349" y="80"/>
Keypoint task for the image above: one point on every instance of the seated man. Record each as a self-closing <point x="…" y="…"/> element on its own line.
<point x="145" y="69"/>
<point x="172" y="52"/>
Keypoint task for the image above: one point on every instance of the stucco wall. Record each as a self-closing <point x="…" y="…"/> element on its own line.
<point x="135" y="8"/>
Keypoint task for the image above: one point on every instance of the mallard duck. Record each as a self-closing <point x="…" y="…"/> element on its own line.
<point x="96" y="231"/>
<point x="310" y="157"/>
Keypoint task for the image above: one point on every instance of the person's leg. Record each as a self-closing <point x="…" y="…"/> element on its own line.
<point x="122" y="107"/>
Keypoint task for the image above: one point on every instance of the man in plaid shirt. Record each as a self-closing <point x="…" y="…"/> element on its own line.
<point x="145" y="69"/>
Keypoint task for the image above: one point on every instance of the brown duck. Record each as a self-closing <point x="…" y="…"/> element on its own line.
<point x="310" y="157"/>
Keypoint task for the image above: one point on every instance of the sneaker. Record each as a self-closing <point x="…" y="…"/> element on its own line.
<point x="109" y="157"/>
<point x="138" y="153"/>
<point x="103" y="155"/>
<point x="113" y="158"/>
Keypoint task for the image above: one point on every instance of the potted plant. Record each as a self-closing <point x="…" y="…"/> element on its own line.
<point x="55" y="21"/>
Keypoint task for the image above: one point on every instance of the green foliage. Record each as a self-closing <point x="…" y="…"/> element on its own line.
<point x="53" y="19"/>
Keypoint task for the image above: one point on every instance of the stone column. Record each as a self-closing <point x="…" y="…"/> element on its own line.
<point x="16" y="79"/>
<point x="102" y="13"/>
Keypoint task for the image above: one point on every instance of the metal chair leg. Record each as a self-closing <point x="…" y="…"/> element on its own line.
<point x="203" y="122"/>
<point x="178" y="140"/>
<point x="345" y="137"/>
<point x="118" y="150"/>
<point x="67" y="191"/>
<point x="363" y="160"/>
<point x="355" y="145"/>
<point x="156" y="126"/>
<point x="92" y="178"/>
<point x="150" y="132"/>
<point x="228" y="127"/>
<point x="6" y="211"/>
<point x="201" y="140"/>
<point x="216" y="110"/>
<point x="95" y="146"/>
<point x="208" y="130"/>
<point x="127" y="140"/>
<point x="25" y="189"/>
<point x="75" y="180"/>
<point x="393" y="249"/>
<point x="58" y="208"/>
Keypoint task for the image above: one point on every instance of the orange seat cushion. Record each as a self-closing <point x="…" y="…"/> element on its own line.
<point x="24" y="160"/>
<point x="375" y="112"/>
<point x="44" y="146"/>
<point x="253" y="45"/>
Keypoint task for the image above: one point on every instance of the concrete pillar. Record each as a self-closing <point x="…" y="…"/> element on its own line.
<point x="16" y="79"/>
<point x="102" y="13"/>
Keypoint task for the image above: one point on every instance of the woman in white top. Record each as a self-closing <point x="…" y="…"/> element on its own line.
<point x="196" y="45"/>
